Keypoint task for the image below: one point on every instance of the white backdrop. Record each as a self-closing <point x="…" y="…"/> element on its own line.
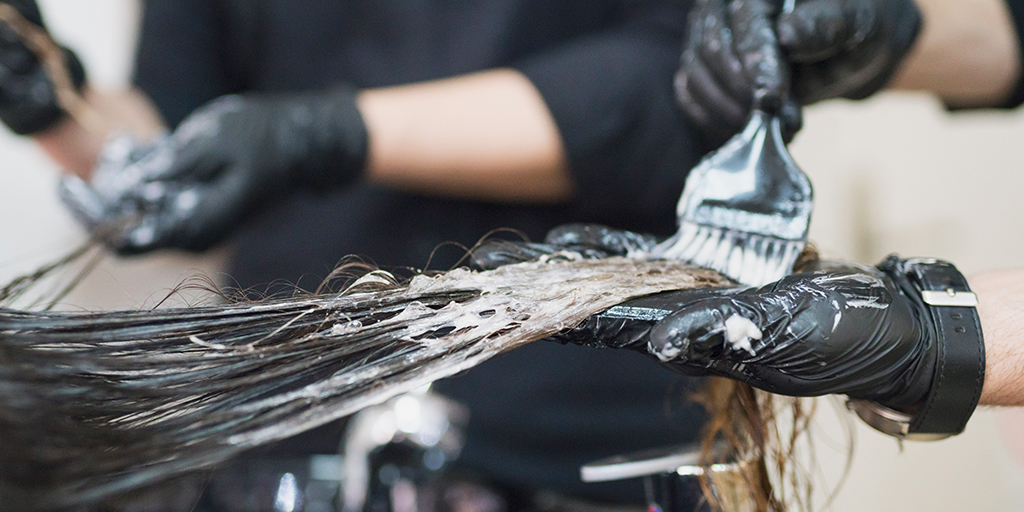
<point x="896" y="174"/>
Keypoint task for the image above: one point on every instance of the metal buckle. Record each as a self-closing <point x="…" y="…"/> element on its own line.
<point x="889" y="421"/>
<point x="949" y="297"/>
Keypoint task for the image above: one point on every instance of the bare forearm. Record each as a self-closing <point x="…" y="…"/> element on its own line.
<point x="487" y="136"/>
<point x="967" y="53"/>
<point x="74" y="146"/>
<point x="1001" y="308"/>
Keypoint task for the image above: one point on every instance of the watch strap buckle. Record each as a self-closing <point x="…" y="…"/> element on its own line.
<point x="890" y="421"/>
<point x="950" y="298"/>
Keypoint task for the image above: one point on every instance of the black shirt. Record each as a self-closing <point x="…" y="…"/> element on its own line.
<point x="603" y="67"/>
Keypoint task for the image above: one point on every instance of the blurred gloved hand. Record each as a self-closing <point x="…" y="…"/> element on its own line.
<point x="741" y="52"/>
<point x="239" y="154"/>
<point x="28" y="100"/>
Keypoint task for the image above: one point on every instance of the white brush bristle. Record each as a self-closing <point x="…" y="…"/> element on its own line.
<point x="751" y="259"/>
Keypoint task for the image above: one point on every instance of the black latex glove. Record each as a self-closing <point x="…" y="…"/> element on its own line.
<point x="828" y="49"/>
<point x="240" y="154"/>
<point x="589" y="241"/>
<point x="840" y="329"/>
<point x="28" y="101"/>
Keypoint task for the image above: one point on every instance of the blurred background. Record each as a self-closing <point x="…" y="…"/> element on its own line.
<point x="894" y="174"/>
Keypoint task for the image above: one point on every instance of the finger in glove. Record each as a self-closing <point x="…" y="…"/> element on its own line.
<point x="846" y="48"/>
<point x="755" y="41"/>
<point x="816" y="30"/>
<point x="628" y="325"/>
<point x="603" y="239"/>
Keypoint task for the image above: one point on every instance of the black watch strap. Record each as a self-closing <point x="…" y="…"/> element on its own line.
<point x="960" y="365"/>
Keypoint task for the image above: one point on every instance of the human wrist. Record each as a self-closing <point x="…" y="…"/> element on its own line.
<point x="1000" y="307"/>
<point x="326" y="137"/>
<point x="953" y="339"/>
<point x="912" y="384"/>
<point x="74" y="148"/>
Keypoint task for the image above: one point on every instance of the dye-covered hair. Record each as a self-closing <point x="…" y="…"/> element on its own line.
<point x="96" y="403"/>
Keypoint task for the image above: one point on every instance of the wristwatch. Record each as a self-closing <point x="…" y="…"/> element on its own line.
<point x="951" y="313"/>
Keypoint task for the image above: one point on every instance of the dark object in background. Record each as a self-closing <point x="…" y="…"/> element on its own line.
<point x="675" y="477"/>
<point x="28" y="96"/>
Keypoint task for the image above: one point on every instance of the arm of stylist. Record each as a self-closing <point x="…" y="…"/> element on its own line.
<point x="905" y="335"/>
<point x="599" y="106"/>
<point x="487" y="135"/>
<point x="241" y="152"/>
<point x="589" y="120"/>
<point x="910" y="337"/>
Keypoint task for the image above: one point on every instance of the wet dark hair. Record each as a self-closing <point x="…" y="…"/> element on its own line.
<point x="93" y="404"/>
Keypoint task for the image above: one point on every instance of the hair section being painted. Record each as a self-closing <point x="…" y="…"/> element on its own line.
<point x="93" y="404"/>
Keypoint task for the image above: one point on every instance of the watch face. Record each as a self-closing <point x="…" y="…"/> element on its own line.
<point x="889" y="421"/>
<point x="883" y="419"/>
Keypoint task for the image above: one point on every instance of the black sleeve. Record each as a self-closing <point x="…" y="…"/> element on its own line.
<point x="611" y="96"/>
<point x="1016" y="8"/>
<point x="180" y="59"/>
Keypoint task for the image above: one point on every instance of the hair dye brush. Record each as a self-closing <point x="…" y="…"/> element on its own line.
<point x="745" y="209"/>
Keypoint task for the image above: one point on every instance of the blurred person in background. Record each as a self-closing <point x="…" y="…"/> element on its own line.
<point x="307" y="131"/>
<point x="314" y="130"/>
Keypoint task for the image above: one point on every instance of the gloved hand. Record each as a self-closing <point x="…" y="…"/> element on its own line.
<point x="590" y="241"/>
<point x="239" y="154"/>
<point x="28" y="100"/>
<point x="828" y="49"/>
<point x="619" y="327"/>
<point x="838" y="329"/>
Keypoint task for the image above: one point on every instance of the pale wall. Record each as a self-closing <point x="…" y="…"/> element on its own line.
<point x="896" y="174"/>
<point x="900" y="174"/>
